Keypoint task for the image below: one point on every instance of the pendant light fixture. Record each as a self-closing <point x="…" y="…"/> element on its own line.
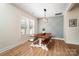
<point x="45" y="18"/>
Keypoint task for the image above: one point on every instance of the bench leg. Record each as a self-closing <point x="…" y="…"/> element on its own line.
<point x="45" y="47"/>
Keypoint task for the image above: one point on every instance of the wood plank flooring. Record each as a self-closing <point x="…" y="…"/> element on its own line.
<point x="56" y="48"/>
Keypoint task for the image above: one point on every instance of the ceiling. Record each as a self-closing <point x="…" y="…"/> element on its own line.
<point x="36" y="9"/>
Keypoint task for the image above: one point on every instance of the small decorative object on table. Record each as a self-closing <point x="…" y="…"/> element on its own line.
<point x="43" y="30"/>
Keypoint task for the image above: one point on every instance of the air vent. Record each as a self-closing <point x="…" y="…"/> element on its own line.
<point x="58" y="13"/>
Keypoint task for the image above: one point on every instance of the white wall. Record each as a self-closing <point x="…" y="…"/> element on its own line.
<point x="10" y="17"/>
<point x="36" y="26"/>
<point x="71" y="33"/>
<point x="54" y="26"/>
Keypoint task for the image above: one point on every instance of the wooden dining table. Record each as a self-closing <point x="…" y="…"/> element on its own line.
<point x="40" y="37"/>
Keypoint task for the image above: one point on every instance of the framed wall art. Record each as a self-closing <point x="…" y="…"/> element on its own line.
<point x="73" y="23"/>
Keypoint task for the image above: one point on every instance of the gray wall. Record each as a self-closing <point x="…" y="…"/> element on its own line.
<point x="54" y="26"/>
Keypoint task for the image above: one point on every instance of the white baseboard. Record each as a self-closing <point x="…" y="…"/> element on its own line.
<point x="58" y="38"/>
<point x="76" y="43"/>
<point x="12" y="46"/>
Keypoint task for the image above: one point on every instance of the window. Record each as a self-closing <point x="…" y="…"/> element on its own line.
<point x="27" y="26"/>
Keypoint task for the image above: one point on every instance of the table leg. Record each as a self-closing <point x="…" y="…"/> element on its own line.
<point x="40" y="42"/>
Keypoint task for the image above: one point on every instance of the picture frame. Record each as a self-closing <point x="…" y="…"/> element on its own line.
<point x="73" y="23"/>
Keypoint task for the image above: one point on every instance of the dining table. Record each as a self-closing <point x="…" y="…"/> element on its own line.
<point x="40" y="37"/>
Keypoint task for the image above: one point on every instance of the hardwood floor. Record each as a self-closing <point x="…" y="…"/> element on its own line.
<point x="56" y="48"/>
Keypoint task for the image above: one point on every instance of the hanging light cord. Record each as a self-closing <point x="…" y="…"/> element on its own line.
<point x="45" y="15"/>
